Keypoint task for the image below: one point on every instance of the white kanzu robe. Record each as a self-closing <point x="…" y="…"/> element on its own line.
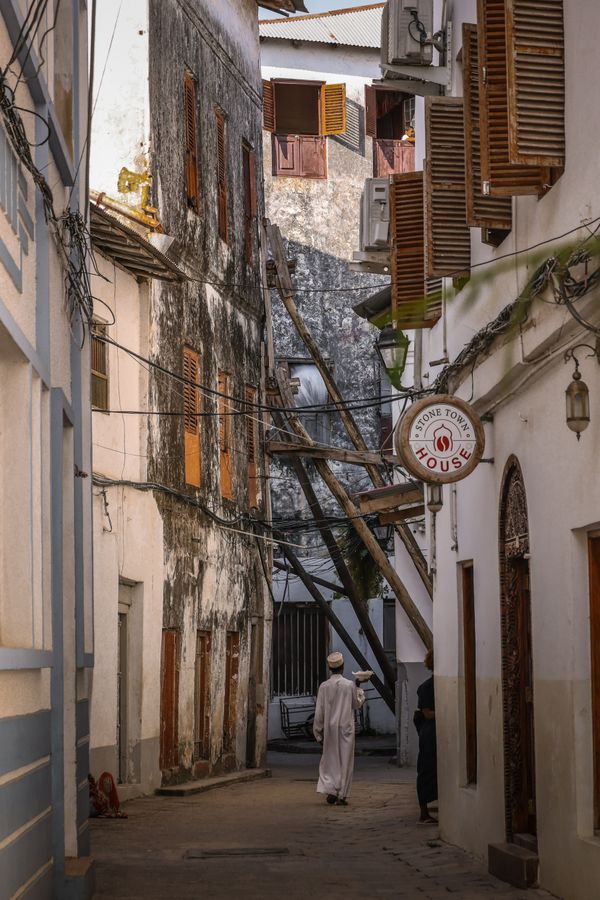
<point x="334" y="726"/>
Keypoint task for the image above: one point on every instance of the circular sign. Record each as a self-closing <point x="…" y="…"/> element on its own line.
<point x="440" y="439"/>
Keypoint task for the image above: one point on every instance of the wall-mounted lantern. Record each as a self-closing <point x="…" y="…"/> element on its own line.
<point x="577" y="395"/>
<point x="435" y="498"/>
<point x="392" y="347"/>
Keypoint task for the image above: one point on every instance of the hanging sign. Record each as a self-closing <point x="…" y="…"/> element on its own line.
<point x="440" y="439"/>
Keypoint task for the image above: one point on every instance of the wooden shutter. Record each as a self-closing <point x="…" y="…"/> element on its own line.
<point x="482" y="210"/>
<point x="448" y="239"/>
<point x="232" y="666"/>
<point x="409" y="306"/>
<point x="221" y="175"/>
<point x="268" y="106"/>
<point x="191" y="408"/>
<point x="333" y="109"/>
<point x="191" y="141"/>
<point x="535" y="38"/>
<point x="99" y="367"/>
<point x="225" y="423"/>
<point x="249" y="178"/>
<point x="499" y="176"/>
<point x="392" y="157"/>
<point x="251" y="432"/>
<point x="202" y="705"/>
<point x="370" y="111"/>
<point x="312" y="156"/>
<point x="169" y="701"/>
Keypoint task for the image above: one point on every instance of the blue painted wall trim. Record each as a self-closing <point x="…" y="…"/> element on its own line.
<point x="23" y="799"/>
<point x="39" y="91"/>
<point x="23" y="344"/>
<point x="24" y="740"/>
<point x="17" y="658"/>
<point x="23" y="857"/>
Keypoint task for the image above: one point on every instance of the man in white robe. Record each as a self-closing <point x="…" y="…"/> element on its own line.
<point x="334" y="727"/>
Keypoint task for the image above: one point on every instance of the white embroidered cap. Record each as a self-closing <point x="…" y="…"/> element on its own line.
<point x="335" y="660"/>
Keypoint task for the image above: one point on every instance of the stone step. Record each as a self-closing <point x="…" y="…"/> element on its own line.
<point x="516" y="865"/>
<point x="528" y="841"/>
<point x="80" y="878"/>
<point x="187" y="788"/>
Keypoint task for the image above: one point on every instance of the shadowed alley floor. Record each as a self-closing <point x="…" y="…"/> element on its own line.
<point x="278" y="838"/>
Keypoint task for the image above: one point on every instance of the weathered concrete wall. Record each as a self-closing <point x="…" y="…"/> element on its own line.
<point x="212" y="579"/>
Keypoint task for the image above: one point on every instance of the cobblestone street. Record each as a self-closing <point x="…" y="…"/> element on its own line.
<point x="277" y="838"/>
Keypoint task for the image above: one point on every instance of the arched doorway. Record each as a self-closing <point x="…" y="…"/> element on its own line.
<point x="517" y="666"/>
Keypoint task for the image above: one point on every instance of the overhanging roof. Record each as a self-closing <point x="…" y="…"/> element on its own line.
<point x="375" y="305"/>
<point x="283" y="5"/>
<point x="359" y="26"/>
<point x="128" y="249"/>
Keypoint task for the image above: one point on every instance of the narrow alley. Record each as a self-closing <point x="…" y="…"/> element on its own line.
<point x="275" y="837"/>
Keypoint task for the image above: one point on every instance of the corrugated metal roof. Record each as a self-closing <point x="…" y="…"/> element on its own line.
<point x="359" y="26"/>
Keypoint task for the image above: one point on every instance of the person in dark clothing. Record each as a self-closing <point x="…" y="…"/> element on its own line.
<point x="427" y="787"/>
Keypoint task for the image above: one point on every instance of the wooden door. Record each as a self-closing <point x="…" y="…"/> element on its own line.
<point x="202" y="696"/>
<point x="525" y="813"/>
<point x="169" y="701"/>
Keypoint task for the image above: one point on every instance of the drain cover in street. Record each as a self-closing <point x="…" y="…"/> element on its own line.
<point x="199" y="853"/>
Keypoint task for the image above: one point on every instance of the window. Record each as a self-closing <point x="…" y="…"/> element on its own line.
<point x="594" y="576"/>
<point x="232" y="666"/>
<point x="63" y="70"/>
<point x="298" y="657"/>
<point x="389" y="116"/>
<point x="310" y="391"/>
<point x="191" y="142"/>
<point x="300" y="114"/>
<point x="221" y="175"/>
<point x="225" y="428"/>
<point x="191" y="419"/>
<point x="202" y="696"/>
<point x="249" y="176"/>
<point x="99" y="367"/>
<point x="251" y="433"/>
<point x="470" y="671"/>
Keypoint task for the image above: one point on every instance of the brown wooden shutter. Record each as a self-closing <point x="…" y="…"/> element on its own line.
<point x="536" y="82"/>
<point x="370" y="111"/>
<point x="225" y="423"/>
<point x="251" y="432"/>
<point x="191" y="141"/>
<point x="333" y="109"/>
<point x="392" y="157"/>
<point x="169" y="701"/>
<point x="249" y="179"/>
<point x="312" y="156"/>
<point x="99" y="367"/>
<point x="409" y="306"/>
<point x="448" y="239"/>
<point x="268" y="106"/>
<point x="482" y="210"/>
<point x="232" y="666"/>
<point x="191" y="420"/>
<point x="499" y="176"/>
<point x="221" y="175"/>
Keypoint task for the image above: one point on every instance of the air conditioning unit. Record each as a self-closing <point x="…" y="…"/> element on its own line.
<point x="375" y="215"/>
<point x="403" y="25"/>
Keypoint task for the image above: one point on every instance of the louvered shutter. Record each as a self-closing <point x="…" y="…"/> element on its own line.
<point x="370" y="111"/>
<point x="191" y="141"/>
<point x="482" y="210"/>
<point x="536" y="81"/>
<point x="333" y="109"/>
<point x="268" y="106"/>
<point x="499" y="176"/>
<point x="448" y="239"/>
<point x="225" y="422"/>
<point x="409" y="305"/>
<point x="191" y="408"/>
<point x="221" y="176"/>
<point x="251" y="430"/>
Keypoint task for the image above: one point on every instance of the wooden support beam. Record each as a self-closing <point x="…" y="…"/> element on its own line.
<point x="401" y="515"/>
<point x="286" y="292"/>
<point x="352" y="457"/>
<point x="299" y="570"/>
<point x="390" y="498"/>
<point x="337" y="557"/>
<point x="362" y="529"/>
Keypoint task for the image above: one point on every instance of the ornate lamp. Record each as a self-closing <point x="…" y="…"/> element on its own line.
<point x="435" y="498"/>
<point x="392" y="347"/>
<point x="577" y="394"/>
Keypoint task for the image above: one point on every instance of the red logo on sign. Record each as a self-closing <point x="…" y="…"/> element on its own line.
<point x="442" y="439"/>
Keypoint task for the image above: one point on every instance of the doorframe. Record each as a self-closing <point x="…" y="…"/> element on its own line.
<point x="514" y="551"/>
